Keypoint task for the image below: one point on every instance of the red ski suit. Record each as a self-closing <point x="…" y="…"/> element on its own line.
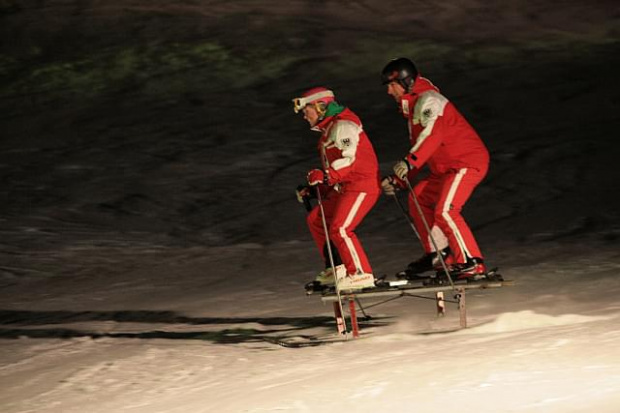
<point x="458" y="161"/>
<point x="350" y="161"/>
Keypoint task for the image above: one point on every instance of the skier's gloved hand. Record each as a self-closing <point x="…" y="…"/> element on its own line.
<point x="389" y="185"/>
<point x="304" y="192"/>
<point x="402" y="168"/>
<point x="316" y="176"/>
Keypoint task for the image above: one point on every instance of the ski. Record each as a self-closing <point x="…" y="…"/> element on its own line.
<point x="382" y="284"/>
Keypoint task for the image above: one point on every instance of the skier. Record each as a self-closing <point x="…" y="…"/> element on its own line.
<point x="458" y="161"/>
<point x="349" y="185"/>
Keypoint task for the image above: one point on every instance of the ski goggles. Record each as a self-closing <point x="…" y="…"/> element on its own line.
<point x="300" y="103"/>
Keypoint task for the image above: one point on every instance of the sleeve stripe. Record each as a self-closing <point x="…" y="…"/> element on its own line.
<point x="423" y="135"/>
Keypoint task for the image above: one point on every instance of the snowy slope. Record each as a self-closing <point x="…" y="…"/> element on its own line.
<point x="151" y="246"/>
<point x="196" y="346"/>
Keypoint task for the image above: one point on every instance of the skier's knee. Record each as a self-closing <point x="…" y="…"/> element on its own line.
<point x="441" y="220"/>
<point x="336" y="232"/>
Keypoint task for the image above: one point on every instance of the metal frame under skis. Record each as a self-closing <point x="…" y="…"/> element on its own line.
<point x="398" y="290"/>
<point x="353" y="299"/>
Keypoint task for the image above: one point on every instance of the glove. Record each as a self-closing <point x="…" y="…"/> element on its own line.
<point x="304" y="192"/>
<point x="389" y="185"/>
<point x="402" y="168"/>
<point x="315" y="177"/>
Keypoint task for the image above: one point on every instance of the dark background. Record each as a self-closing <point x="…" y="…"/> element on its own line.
<point x="132" y="123"/>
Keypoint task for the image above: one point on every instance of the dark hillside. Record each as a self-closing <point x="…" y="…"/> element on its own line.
<point x="132" y="120"/>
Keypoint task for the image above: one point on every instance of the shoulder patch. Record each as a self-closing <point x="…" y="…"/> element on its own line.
<point x="428" y="113"/>
<point x="346" y="142"/>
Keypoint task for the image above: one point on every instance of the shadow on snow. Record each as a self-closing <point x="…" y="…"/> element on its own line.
<point x="277" y="329"/>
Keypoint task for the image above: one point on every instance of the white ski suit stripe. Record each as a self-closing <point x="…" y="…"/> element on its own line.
<point x="343" y="231"/>
<point x="445" y="211"/>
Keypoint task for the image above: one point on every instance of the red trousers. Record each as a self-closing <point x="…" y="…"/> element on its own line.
<point x="343" y="213"/>
<point x="441" y="198"/>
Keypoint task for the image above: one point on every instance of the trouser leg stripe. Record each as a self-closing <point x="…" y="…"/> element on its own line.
<point x="446" y="211"/>
<point x="343" y="231"/>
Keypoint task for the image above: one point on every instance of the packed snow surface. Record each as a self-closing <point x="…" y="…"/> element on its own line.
<point x="548" y="344"/>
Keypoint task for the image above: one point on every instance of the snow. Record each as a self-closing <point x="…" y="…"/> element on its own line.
<point x="537" y="346"/>
<point x="152" y="248"/>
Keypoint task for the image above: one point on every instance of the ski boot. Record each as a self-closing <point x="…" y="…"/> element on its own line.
<point x="474" y="270"/>
<point x="324" y="280"/>
<point x="358" y="281"/>
<point x="428" y="262"/>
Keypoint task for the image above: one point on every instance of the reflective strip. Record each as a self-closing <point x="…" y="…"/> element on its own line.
<point x="445" y="211"/>
<point x="343" y="231"/>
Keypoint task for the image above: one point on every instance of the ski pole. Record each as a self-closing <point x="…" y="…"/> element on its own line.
<point x="308" y="207"/>
<point x="331" y="259"/>
<point x="325" y="163"/>
<point x="428" y="229"/>
<point x="406" y="214"/>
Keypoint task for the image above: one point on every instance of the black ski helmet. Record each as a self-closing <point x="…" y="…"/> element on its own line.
<point x="401" y="70"/>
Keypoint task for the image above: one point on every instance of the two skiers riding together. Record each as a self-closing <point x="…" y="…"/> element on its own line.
<point x="348" y="183"/>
